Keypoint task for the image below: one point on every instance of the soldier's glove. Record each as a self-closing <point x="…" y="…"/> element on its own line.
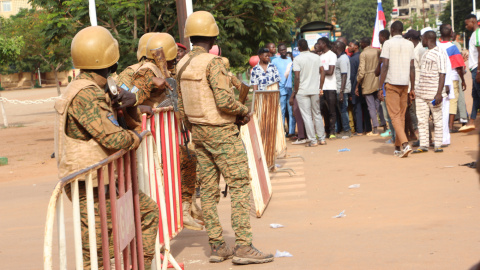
<point x="127" y="99"/>
<point x="161" y="83"/>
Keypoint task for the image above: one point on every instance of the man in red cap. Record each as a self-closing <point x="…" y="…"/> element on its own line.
<point x="182" y="50"/>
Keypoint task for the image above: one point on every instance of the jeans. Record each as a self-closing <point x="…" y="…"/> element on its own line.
<point x="343" y="109"/>
<point x="331" y="101"/>
<point x="475" y="95"/>
<point x="287" y="110"/>
<point x="310" y="108"/>
<point x="357" y="112"/>
<point x="299" y="120"/>
<point x="373" y="104"/>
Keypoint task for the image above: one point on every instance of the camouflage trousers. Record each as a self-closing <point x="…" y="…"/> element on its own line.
<point x="224" y="155"/>
<point x="149" y="218"/>
<point x="188" y="166"/>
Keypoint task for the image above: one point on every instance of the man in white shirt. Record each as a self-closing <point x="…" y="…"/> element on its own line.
<point x="430" y="92"/>
<point x="473" y="59"/>
<point x="328" y="85"/>
<point x="397" y="70"/>
<point x="306" y="91"/>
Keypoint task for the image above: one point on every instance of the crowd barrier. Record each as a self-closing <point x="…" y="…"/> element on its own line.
<point x="261" y="186"/>
<point x="123" y="189"/>
<point x="266" y="110"/>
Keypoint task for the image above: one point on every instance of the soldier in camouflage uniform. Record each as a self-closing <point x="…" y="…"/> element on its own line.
<point x="148" y="83"/>
<point x="87" y="132"/>
<point x="210" y="111"/>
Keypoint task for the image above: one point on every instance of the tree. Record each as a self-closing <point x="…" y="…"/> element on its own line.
<point x="244" y="24"/>
<point x="357" y="17"/>
<point x="461" y="10"/>
<point x="9" y="45"/>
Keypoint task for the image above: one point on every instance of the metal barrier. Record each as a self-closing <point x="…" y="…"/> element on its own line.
<point x="261" y="186"/>
<point x="266" y="110"/>
<point x="166" y="134"/>
<point x="125" y="210"/>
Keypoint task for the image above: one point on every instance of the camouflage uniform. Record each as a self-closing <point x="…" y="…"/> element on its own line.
<point x="86" y="120"/>
<point x="188" y="164"/>
<point x="220" y="150"/>
<point x="143" y="80"/>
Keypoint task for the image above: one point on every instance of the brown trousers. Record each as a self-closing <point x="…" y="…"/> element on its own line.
<point x="397" y="101"/>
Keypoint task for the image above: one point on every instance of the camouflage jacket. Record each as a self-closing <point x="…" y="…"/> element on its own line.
<point x="90" y="115"/>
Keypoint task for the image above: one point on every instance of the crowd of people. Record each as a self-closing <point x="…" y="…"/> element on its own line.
<point x="345" y="89"/>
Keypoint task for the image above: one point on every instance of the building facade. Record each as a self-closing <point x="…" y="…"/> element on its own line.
<point x="12" y="7"/>
<point x="405" y="8"/>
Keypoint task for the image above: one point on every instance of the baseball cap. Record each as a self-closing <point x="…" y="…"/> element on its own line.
<point x="414" y="34"/>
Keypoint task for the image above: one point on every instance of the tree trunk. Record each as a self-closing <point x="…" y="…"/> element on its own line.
<point x="134" y="24"/>
<point x="31" y="78"/>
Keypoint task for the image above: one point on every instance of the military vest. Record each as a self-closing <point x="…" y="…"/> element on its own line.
<point x="198" y="100"/>
<point x="73" y="154"/>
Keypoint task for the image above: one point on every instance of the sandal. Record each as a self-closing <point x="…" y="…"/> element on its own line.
<point x="438" y="150"/>
<point x="323" y="143"/>
<point x="310" y="144"/>
<point x="371" y="134"/>
<point x="420" y="150"/>
<point x="467" y="128"/>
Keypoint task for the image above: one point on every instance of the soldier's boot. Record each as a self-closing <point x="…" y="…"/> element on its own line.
<point x="197" y="213"/>
<point x="220" y="253"/>
<point x="248" y="254"/>
<point x="188" y="221"/>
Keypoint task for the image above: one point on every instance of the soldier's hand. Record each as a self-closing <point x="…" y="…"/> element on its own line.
<point x="146" y="109"/>
<point x="127" y="99"/>
<point x="243" y="120"/>
<point x="161" y="83"/>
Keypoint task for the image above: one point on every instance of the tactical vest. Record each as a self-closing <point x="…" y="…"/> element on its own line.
<point x="197" y="95"/>
<point x="73" y="154"/>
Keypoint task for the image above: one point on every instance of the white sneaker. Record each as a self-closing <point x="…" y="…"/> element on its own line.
<point x="463" y="121"/>
<point x="298" y="141"/>
<point x="407" y="150"/>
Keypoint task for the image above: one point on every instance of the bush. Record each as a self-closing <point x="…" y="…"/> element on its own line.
<point x="69" y="79"/>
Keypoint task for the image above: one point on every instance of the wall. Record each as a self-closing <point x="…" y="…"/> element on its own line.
<point x="23" y="79"/>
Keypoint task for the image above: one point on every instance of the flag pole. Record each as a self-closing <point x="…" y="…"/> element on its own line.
<point x="92" y="12"/>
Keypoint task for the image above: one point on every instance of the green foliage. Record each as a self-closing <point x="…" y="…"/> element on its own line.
<point x="36" y="51"/>
<point x="358" y="17"/>
<point x="308" y="11"/>
<point x="461" y="10"/>
<point x="245" y="25"/>
<point x="9" y="48"/>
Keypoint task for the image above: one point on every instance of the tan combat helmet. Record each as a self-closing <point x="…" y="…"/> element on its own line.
<point x="164" y="40"/>
<point x="94" y="48"/>
<point x="201" y="23"/>
<point x="142" y="45"/>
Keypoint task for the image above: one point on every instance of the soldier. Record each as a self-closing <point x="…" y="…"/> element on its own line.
<point x="148" y="83"/>
<point x="87" y="131"/>
<point x="210" y="111"/>
<point x="125" y="78"/>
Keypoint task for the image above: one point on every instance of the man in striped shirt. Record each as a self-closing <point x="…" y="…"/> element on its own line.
<point x="429" y="93"/>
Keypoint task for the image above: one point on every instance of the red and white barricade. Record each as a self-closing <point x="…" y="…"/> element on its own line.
<point x="164" y="177"/>
<point x="261" y="186"/>
<point x="120" y="170"/>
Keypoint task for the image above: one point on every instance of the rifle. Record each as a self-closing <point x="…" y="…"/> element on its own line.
<point x="161" y="62"/>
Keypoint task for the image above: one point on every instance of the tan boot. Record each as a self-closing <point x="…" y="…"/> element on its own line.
<point x="188" y="221"/>
<point x="220" y="253"/>
<point x="249" y="254"/>
<point x="197" y="213"/>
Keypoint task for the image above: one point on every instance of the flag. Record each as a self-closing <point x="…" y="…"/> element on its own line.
<point x="380" y="24"/>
